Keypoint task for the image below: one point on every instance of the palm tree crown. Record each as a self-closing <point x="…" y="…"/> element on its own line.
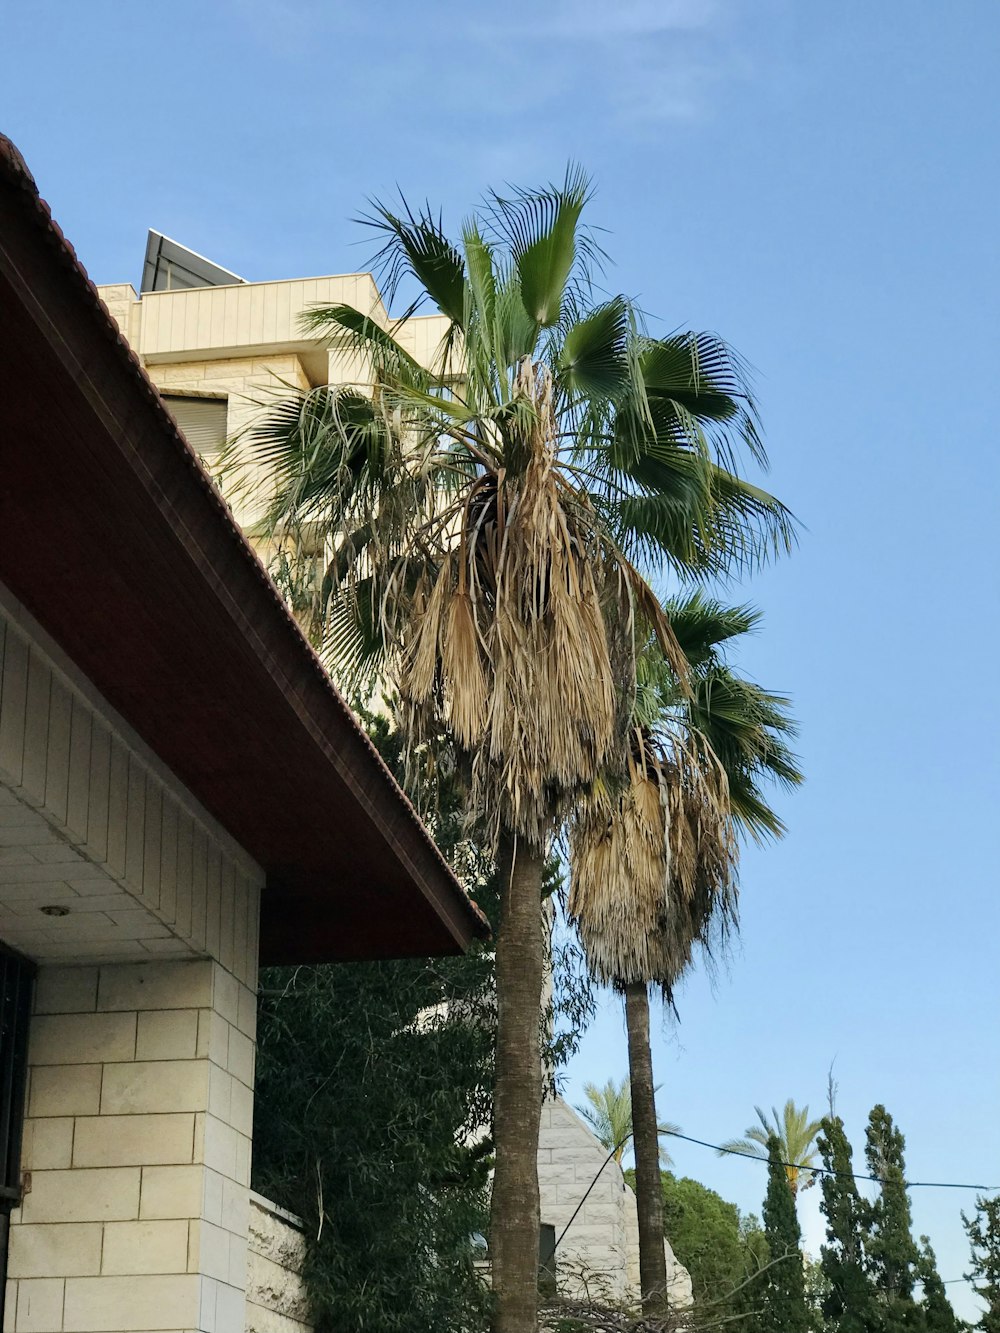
<point x="486" y="517"/>
<point x="609" y="1115"/>
<point x="796" y="1135"/>
<point x="655" y="857"/>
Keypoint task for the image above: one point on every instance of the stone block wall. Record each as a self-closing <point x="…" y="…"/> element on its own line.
<point x="595" y="1246"/>
<point x="598" y="1256"/>
<point x="136" y="1152"/>
<point x="276" y="1295"/>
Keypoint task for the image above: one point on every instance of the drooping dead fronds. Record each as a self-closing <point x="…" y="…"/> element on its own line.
<point x="509" y="643"/>
<point x="654" y="863"/>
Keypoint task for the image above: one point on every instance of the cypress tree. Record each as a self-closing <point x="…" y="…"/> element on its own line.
<point x="983" y="1230"/>
<point x="849" y="1303"/>
<point x="892" y="1253"/>
<point x="938" y="1316"/>
<point x="783" y="1290"/>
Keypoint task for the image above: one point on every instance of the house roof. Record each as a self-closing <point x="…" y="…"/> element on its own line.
<point x="117" y="542"/>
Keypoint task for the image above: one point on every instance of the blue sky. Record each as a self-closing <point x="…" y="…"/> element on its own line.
<point x="817" y="183"/>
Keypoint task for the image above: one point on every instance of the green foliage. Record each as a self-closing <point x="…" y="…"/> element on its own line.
<point x="609" y="1115"/>
<point x="892" y="1252"/>
<point x="780" y="1291"/>
<point x="718" y="1245"/>
<point x="849" y="1300"/>
<point x="871" y="1264"/>
<point x="817" y="1293"/>
<point x="794" y="1131"/>
<point x="358" y="1106"/>
<point x="938" y="1316"/>
<point x="983" y="1230"/>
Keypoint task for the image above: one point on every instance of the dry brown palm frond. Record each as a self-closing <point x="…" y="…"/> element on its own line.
<point x="463" y="671"/>
<point x="420" y="673"/>
<point x="655" y="864"/>
<point x="521" y="639"/>
<point x="652" y="613"/>
<point x="620" y="879"/>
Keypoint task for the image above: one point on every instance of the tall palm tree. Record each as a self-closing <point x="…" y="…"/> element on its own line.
<point x="486" y="519"/>
<point x="662" y="867"/>
<point x="796" y="1135"/>
<point x="609" y="1115"/>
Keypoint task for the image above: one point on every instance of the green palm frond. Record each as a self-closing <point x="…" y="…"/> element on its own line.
<point x="796" y="1135"/>
<point x="416" y="246"/>
<point x="545" y="242"/>
<point x="593" y="358"/>
<point x="609" y="1114"/>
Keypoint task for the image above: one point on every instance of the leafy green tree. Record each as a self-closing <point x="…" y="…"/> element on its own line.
<point x="936" y="1311"/>
<point x="817" y="1293"/>
<point x="796" y="1135"/>
<point x="359" y="1115"/>
<point x="487" y="518"/>
<point x="719" y="1246"/>
<point x="892" y="1253"/>
<point x="609" y="1115"/>
<point x="849" y="1303"/>
<point x="369" y="1078"/>
<point x="781" y="1292"/>
<point x="983" y="1231"/>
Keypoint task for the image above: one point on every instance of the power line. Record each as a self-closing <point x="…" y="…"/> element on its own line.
<point x="824" y="1171"/>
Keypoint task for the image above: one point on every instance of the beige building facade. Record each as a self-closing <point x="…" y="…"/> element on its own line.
<point x="242" y="347"/>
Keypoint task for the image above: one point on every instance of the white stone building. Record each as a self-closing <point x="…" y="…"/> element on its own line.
<point x="585" y="1198"/>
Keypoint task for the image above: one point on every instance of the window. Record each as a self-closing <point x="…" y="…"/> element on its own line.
<point x="202" y="422"/>
<point x="547" y="1259"/>
<point x="16" y="978"/>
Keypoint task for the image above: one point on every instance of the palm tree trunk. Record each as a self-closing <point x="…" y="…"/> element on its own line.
<point x="646" y="1145"/>
<point x="517" y="1107"/>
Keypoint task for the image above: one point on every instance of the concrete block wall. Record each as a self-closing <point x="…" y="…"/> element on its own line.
<point x="136" y="1152"/>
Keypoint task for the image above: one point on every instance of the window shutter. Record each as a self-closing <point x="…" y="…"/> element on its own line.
<point x="202" y="422"/>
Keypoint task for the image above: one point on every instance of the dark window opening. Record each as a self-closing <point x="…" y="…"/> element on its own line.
<point x="16" y="980"/>
<point x="202" y="422"/>
<point x="547" y="1259"/>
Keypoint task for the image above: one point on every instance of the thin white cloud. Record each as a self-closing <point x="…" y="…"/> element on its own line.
<point x="623" y="66"/>
<point x="589" y="20"/>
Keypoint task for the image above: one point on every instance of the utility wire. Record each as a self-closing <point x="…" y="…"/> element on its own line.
<point x="815" y="1170"/>
<point x="824" y="1171"/>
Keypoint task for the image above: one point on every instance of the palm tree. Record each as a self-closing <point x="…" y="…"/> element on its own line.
<point x="661" y="869"/>
<point x="486" y="519"/>
<point x="609" y="1115"/>
<point x="796" y="1135"/>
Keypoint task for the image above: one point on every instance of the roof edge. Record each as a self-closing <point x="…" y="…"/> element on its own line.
<point x="14" y="167"/>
